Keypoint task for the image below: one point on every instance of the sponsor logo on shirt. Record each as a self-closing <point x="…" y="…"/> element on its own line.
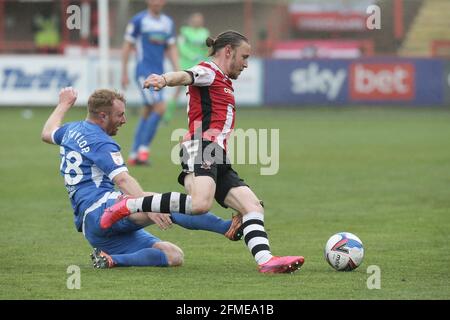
<point x="228" y="91"/>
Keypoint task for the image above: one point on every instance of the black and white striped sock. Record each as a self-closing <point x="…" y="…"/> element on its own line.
<point x="164" y="203"/>
<point x="255" y="236"/>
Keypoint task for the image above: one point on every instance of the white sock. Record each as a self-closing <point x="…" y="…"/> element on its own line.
<point x="135" y="205"/>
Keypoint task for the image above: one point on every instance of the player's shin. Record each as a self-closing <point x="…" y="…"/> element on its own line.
<point x="164" y="203"/>
<point x="207" y="222"/>
<point x="142" y="258"/>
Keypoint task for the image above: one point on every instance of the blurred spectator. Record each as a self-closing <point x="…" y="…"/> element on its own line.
<point x="46" y="37"/>
<point x="192" y="50"/>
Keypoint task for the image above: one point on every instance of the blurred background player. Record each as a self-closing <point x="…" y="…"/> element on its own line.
<point x="152" y="33"/>
<point x="92" y="165"/>
<point x="192" y="50"/>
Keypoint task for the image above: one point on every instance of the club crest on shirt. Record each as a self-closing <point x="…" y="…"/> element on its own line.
<point x="117" y="158"/>
<point x="206" y="165"/>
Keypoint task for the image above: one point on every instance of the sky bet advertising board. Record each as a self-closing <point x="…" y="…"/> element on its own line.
<point x="446" y="82"/>
<point x="305" y="82"/>
<point x="362" y="81"/>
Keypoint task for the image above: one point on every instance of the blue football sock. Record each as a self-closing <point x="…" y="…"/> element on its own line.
<point x="151" y="126"/>
<point x="142" y="258"/>
<point x="207" y="222"/>
<point x="138" y="134"/>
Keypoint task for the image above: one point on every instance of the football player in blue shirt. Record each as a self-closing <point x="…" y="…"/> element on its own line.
<point x="152" y="34"/>
<point x="92" y="165"/>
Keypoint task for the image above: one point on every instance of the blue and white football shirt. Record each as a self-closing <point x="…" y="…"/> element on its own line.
<point x="90" y="159"/>
<point x="151" y="36"/>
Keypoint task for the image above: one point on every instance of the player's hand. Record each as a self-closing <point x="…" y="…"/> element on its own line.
<point x="162" y="220"/>
<point x="125" y="81"/>
<point x="155" y="81"/>
<point x="68" y="96"/>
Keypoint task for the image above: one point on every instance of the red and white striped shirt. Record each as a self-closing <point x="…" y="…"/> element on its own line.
<point x="211" y="104"/>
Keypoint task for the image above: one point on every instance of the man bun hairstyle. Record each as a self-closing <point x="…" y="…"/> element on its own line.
<point x="230" y="37"/>
<point x="210" y="42"/>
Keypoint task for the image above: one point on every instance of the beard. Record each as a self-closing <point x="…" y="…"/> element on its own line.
<point x="112" y="131"/>
<point x="234" y="74"/>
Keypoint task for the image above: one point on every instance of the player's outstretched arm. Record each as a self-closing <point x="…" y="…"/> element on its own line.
<point x="171" y="79"/>
<point x="128" y="185"/>
<point x="67" y="98"/>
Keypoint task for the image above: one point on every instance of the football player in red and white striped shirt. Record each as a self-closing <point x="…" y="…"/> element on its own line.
<point x="207" y="172"/>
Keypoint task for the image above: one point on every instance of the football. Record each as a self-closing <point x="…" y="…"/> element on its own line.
<point x="344" y="251"/>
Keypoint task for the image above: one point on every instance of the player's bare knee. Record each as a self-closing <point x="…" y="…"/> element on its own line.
<point x="174" y="255"/>
<point x="254" y="206"/>
<point x="146" y="111"/>
<point x="160" y="108"/>
<point x="160" y="111"/>
<point x="200" y="206"/>
<point x="260" y="206"/>
<point x="178" y="259"/>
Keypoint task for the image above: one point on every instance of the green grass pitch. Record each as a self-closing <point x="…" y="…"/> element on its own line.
<point x="381" y="173"/>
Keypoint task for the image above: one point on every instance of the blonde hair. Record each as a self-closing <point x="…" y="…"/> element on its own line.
<point x="102" y="100"/>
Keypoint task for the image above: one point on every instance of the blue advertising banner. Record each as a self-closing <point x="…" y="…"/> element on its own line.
<point x="305" y="81"/>
<point x="429" y="85"/>
<point x="446" y="82"/>
<point x="390" y="81"/>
